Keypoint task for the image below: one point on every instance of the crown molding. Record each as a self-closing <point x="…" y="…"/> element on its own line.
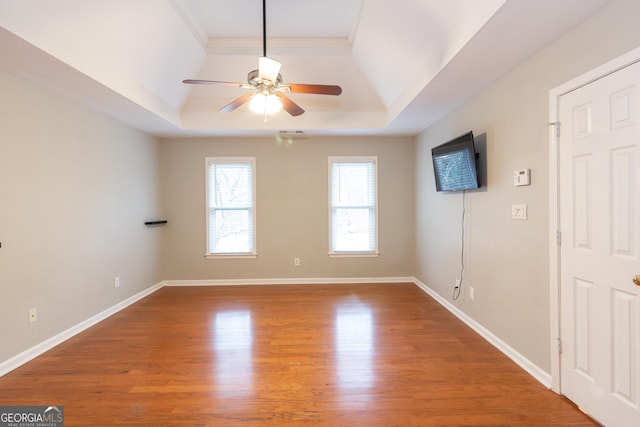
<point x="279" y="46"/>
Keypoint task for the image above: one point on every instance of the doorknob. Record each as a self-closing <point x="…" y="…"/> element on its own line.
<point x="636" y="279"/>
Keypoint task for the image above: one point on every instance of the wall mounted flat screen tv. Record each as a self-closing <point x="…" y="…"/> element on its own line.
<point x="454" y="164"/>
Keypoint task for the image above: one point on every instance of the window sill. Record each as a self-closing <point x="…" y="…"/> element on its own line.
<point x="354" y="254"/>
<point x="230" y="256"/>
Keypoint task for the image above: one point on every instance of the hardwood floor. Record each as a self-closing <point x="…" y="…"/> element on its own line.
<point x="323" y="355"/>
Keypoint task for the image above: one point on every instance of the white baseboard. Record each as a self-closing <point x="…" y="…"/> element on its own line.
<point x="534" y="370"/>
<point x="46" y="345"/>
<point x="288" y="281"/>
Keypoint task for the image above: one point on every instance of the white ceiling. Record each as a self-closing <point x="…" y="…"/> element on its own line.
<point x="401" y="64"/>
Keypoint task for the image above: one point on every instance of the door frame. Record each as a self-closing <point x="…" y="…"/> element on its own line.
<point x="554" y="193"/>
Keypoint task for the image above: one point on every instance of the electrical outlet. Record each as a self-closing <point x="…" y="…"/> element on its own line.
<point x="116" y="282"/>
<point x="296" y="262"/>
<point x="33" y="315"/>
<point x="472" y="292"/>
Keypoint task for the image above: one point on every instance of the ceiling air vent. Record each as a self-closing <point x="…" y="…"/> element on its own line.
<point x="291" y="135"/>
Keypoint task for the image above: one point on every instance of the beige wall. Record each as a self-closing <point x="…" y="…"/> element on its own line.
<point x="75" y="190"/>
<point x="292" y="211"/>
<point x="507" y="261"/>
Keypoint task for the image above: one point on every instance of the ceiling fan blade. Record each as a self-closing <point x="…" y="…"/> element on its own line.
<point x="237" y="103"/>
<point x="289" y="106"/>
<point x="211" y="82"/>
<point x="316" y="89"/>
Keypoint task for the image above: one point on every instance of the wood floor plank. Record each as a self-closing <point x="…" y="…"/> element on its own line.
<point x="319" y="355"/>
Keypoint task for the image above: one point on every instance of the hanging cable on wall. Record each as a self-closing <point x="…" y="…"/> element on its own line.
<point x="458" y="288"/>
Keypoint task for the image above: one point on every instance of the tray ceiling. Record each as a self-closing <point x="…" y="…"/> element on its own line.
<point x="401" y="65"/>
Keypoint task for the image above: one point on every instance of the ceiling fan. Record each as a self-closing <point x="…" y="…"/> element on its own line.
<point x="267" y="95"/>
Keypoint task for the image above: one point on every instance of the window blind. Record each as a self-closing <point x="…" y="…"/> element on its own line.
<point x="353" y="200"/>
<point x="231" y="200"/>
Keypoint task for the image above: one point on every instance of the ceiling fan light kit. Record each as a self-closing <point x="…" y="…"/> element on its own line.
<point x="265" y="103"/>
<point x="266" y="84"/>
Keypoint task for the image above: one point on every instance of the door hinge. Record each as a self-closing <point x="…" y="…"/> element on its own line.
<point x="559" y="346"/>
<point x="559" y="238"/>
<point x="557" y="125"/>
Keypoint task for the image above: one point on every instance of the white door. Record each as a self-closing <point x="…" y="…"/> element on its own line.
<point x="599" y="220"/>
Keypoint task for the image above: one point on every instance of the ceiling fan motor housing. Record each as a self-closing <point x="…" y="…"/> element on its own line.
<point x="254" y="78"/>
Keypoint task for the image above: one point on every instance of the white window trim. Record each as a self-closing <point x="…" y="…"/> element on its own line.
<point x="230" y="160"/>
<point x="353" y="159"/>
<point x="354" y="254"/>
<point x="231" y="255"/>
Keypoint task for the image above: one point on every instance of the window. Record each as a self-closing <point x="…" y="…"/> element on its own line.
<point x="231" y="206"/>
<point x="353" y="205"/>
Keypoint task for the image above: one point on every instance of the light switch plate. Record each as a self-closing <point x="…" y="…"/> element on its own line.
<point x="519" y="212"/>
